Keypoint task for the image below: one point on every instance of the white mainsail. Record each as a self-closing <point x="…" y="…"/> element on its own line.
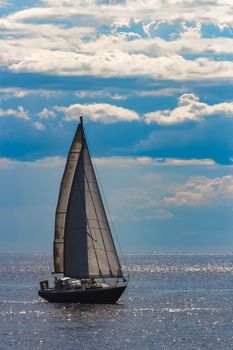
<point x="83" y="244"/>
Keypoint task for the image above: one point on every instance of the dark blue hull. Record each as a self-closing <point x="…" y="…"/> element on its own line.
<point x="108" y="295"/>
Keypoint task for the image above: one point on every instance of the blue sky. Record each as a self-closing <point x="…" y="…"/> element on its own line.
<point x="153" y="80"/>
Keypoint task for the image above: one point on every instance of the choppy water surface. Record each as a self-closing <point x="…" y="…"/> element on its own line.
<point x="172" y="302"/>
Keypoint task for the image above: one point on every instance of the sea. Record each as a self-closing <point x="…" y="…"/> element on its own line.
<point x="181" y="301"/>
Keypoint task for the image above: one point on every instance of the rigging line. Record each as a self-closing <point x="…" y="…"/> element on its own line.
<point x="91" y="236"/>
<point x="106" y="205"/>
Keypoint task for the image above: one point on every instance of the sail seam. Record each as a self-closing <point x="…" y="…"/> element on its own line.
<point x="101" y="249"/>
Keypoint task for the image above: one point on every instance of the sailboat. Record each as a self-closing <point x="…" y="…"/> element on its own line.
<point x="86" y="262"/>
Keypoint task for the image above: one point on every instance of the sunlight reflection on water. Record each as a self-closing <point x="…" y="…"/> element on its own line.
<point x="172" y="302"/>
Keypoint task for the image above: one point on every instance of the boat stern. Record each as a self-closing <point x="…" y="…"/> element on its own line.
<point x="44" y="285"/>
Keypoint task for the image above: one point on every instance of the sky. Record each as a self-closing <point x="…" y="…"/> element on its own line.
<point x="153" y="80"/>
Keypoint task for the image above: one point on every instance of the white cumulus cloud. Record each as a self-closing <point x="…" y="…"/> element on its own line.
<point x="202" y="191"/>
<point x="215" y="10"/>
<point x="103" y="112"/>
<point x="189" y="108"/>
<point x="45" y="114"/>
<point x="19" y="113"/>
<point x="29" y="45"/>
<point x="38" y="126"/>
<point x="13" y="92"/>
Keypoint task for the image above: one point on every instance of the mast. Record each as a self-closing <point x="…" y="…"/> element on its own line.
<point x="81" y="121"/>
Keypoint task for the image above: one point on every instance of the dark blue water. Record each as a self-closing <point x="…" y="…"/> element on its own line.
<point x="172" y="302"/>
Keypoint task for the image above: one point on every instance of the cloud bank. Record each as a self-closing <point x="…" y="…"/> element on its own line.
<point x="145" y="161"/>
<point x="119" y="39"/>
<point x="113" y="161"/>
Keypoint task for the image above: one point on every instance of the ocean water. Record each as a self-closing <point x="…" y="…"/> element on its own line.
<point x="172" y="302"/>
